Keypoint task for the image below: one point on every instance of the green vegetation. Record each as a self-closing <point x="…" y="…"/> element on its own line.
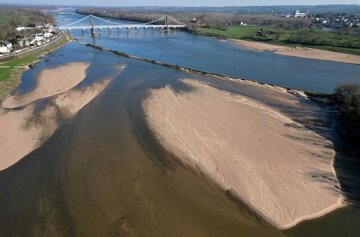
<point x="5" y="73"/>
<point x="234" y="32"/>
<point x="348" y="97"/>
<point x="12" y="17"/>
<point x="259" y="27"/>
<point x="316" y="38"/>
<point x="24" y="60"/>
<point x="11" y="70"/>
<point x="216" y="20"/>
<point x="5" y="18"/>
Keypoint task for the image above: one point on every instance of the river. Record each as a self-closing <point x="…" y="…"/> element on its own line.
<point x="225" y="57"/>
<point x="103" y="173"/>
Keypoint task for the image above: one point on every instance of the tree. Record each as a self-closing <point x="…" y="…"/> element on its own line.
<point x="348" y="98"/>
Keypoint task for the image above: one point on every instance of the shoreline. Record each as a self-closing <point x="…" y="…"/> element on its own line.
<point x="300" y="52"/>
<point x="27" y="126"/>
<point x="167" y="135"/>
<point x="49" y="83"/>
<point x="16" y="72"/>
<point x="219" y="76"/>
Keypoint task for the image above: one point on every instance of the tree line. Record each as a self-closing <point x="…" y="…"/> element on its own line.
<point x="14" y="17"/>
<point x="217" y="20"/>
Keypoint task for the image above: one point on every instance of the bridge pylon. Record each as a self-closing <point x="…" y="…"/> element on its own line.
<point x="167" y="23"/>
<point x="92" y="29"/>
<point x="164" y="22"/>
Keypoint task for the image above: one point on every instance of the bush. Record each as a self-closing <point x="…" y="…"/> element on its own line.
<point x="348" y="98"/>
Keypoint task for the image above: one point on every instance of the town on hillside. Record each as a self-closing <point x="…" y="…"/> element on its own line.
<point x="330" y="20"/>
<point x="29" y="37"/>
<point x="23" y="28"/>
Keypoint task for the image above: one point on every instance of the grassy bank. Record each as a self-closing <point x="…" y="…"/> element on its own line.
<point x="314" y="38"/>
<point x="12" y="69"/>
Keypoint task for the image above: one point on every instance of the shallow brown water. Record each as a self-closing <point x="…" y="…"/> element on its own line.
<point x="103" y="173"/>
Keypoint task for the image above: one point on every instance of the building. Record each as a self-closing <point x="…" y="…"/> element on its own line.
<point x="299" y="14"/>
<point x="5" y="46"/>
<point x="3" y="49"/>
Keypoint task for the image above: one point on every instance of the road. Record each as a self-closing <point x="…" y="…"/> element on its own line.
<point x="25" y="51"/>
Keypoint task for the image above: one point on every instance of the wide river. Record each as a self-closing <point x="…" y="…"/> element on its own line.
<point x="104" y="174"/>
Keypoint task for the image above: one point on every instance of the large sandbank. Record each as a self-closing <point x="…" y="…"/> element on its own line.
<point x="275" y="165"/>
<point x="300" y="51"/>
<point x="50" y="82"/>
<point x="23" y="129"/>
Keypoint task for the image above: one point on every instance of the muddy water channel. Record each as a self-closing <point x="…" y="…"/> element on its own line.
<point x="103" y="173"/>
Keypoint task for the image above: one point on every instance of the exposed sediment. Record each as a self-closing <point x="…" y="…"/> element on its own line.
<point x="50" y="82"/>
<point x="301" y="52"/>
<point x="275" y="165"/>
<point x="26" y="127"/>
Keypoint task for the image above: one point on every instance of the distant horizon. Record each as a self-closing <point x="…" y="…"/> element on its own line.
<point x="173" y="6"/>
<point x="192" y="3"/>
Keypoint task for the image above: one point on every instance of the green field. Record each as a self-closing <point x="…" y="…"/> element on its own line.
<point x="5" y="72"/>
<point x="11" y="71"/>
<point x="315" y="38"/>
<point x="5" y="18"/>
<point x="19" y="15"/>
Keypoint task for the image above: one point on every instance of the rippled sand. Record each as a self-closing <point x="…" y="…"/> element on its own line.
<point x="275" y="165"/>
<point x="25" y="129"/>
<point x="50" y="82"/>
<point x="301" y="52"/>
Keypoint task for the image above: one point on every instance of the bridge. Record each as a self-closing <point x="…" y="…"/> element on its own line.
<point x="163" y="23"/>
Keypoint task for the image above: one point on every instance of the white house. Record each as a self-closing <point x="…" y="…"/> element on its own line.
<point x="26" y="42"/>
<point x="47" y="34"/>
<point x="9" y="45"/>
<point x="299" y="14"/>
<point x="3" y="48"/>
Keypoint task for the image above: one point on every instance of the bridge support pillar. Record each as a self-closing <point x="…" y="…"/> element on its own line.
<point x="92" y="29"/>
<point x="167" y="24"/>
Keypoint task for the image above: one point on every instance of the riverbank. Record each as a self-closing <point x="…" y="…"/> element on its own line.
<point x="50" y="82"/>
<point x="302" y="52"/>
<point x="333" y="41"/>
<point x="275" y="165"/>
<point x="13" y="67"/>
<point x="26" y="126"/>
<point x="192" y="70"/>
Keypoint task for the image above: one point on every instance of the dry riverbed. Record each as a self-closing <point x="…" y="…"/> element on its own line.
<point x="299" y="52"/>
<point x="281" y="169"/>
<point x="24" y="128"/>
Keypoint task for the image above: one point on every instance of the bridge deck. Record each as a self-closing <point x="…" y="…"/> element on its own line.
<point x="134" y="26"/>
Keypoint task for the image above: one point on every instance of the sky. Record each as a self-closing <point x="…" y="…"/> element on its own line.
<point x="182" y="2"/>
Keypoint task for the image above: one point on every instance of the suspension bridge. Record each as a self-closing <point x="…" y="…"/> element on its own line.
<point x="87" y="23"/>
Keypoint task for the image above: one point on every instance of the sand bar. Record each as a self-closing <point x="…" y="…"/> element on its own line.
<point x="23" y="131"/>
<point x="302" y="52"/>
<point x="74" y="100"/>
<point x="275" y="165"/>
<point x="50" y="82"/>
<point x="16" y="138"/>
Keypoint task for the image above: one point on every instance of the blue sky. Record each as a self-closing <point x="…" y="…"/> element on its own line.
<point x="183" y="2"/>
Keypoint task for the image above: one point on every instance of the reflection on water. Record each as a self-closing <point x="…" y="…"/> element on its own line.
<point x="103" y="173"/>
<point x="223" y="57"/>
